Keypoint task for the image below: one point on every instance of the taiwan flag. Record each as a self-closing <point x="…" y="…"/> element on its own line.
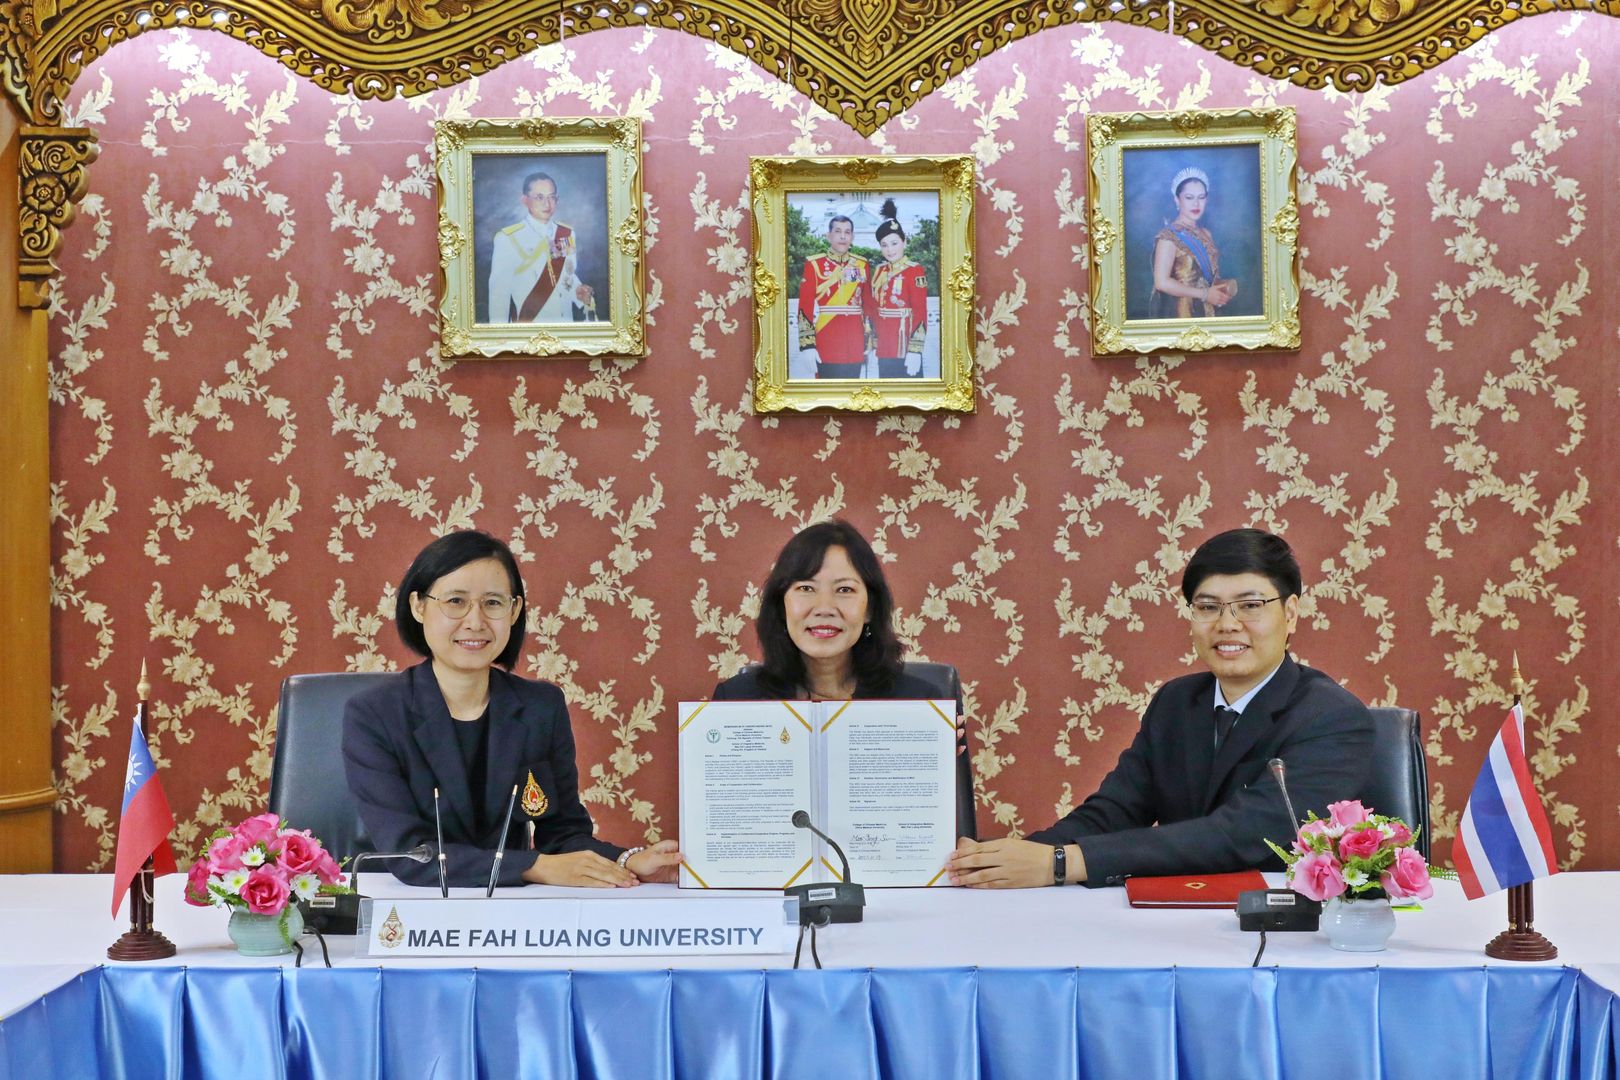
<point x="144" y="824"/>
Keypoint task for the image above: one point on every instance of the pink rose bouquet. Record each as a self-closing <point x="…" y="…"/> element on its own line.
<point x="262" y="866"/>
<point x="1354" y="852"/>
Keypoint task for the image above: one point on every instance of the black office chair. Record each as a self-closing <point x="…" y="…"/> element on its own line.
<point x="947" y="683"/>
<point x="1398" y="785"/>
<point x="307" y="785"/>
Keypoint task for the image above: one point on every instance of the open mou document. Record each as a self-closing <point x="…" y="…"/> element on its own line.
<point x="879" y="777"/>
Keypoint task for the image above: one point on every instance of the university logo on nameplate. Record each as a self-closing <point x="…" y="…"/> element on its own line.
<point x="539" y="926"/>
<point x="879" y="777"/>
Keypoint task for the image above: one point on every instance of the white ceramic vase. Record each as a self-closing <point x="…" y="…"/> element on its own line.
<point x="1362" y="925"/>
<point x="260" y="935"/>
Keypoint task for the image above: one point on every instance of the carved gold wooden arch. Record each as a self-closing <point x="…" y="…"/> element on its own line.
<point x="864" y="61"/>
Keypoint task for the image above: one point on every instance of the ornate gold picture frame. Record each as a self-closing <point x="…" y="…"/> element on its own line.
<point x="1194" y="231"/>
<point x="540" y="237"/>
<point x="863" y="283"/>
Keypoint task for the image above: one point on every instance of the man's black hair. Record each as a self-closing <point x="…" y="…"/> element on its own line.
<point x="1243" y="551"/>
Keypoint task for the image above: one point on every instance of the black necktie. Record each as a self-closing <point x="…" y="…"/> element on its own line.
<point x="1225" y="719"/>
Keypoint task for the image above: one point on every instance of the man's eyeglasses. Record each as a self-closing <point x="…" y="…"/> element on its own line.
<point x="1246" y="610"/>
<point x="498" y="608"/>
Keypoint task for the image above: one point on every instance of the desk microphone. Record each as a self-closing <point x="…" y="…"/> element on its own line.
<point x="1278" y="909"/>
<point x="339" y="914"/>
<point x="833" y="902"/>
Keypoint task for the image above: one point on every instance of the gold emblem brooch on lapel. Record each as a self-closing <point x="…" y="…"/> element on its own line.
<point x="534" y="800"/>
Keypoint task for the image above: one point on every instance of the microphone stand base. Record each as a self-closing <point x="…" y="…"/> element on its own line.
<point x="1277" y="910"/>
<point x="834" y="902"/>
<point x="333" y="915"/>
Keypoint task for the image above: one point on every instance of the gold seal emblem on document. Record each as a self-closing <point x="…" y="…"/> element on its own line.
<point x="785" y="737"/>
<point x="534" y="800"/>
<point x="392" y="931"/>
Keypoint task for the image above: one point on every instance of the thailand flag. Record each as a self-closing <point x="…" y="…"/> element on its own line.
<point x="143" y="826"/>
<point x="1503" y="838"/>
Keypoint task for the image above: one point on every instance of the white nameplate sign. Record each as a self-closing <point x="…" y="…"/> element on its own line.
<point x="537" y="926"/>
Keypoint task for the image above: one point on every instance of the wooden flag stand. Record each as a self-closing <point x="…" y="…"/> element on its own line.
<point x="141" y="941"/>
<point x="1520" y="941"/>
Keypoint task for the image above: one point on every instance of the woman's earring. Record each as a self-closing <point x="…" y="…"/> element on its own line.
<point x="866" y="631"/>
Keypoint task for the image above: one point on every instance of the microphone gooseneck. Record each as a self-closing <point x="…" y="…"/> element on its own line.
<point x="1277" y="770"/>
<point x="801" y="820"/>
<point x="421" y="853"/>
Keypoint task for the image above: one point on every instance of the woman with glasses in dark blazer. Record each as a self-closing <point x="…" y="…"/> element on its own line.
<point x="462" y="723"/>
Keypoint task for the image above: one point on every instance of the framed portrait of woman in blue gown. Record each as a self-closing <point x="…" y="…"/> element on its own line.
<point x="1193" y="231"/>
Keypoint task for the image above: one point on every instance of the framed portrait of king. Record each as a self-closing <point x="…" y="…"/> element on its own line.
<point x="540" y="237"/>
<point x="863" y="281"/>
<point x="1194" y="231"/>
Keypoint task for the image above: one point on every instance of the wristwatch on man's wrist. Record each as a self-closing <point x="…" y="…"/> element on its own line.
<point x="1060" y="865"/>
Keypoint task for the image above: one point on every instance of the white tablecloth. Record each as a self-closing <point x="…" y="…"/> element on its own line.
<point x="58" y="925"/>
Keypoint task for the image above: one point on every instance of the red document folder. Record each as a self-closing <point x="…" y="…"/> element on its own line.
<point x="1197" y="890"/>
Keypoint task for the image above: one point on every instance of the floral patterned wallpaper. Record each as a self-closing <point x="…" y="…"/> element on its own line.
<point x="253" y="431"/>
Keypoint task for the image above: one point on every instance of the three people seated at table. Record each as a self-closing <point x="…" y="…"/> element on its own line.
<point x="462" y="723"/>
<point x="1192" y="794"/>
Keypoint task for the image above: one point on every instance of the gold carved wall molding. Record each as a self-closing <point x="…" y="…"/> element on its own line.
<point x="52" y="173"/>
<point x="862" y="60"/>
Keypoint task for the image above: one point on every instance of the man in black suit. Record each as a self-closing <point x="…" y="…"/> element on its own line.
<point x="1193" y="794"/>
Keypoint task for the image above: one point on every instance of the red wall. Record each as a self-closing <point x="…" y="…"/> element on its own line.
<point x="252" y="432"/>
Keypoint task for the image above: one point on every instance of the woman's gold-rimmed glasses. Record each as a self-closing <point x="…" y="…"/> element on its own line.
<point x="494" y="606"/>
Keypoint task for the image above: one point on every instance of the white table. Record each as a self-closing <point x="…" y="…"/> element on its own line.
<point x="59" y="926"/>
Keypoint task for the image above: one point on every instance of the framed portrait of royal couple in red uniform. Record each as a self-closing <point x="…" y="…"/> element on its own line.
<point x="863" y="280"/>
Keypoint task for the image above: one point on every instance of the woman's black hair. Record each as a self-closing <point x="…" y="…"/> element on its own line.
<point x="891" y="220"/>
<point x="876" y="654"/>
<point x="446" y="555"/>
<point x="1243" y="551"/>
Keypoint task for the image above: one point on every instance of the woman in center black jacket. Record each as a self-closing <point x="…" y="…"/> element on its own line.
<point x="826" y="632"/>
